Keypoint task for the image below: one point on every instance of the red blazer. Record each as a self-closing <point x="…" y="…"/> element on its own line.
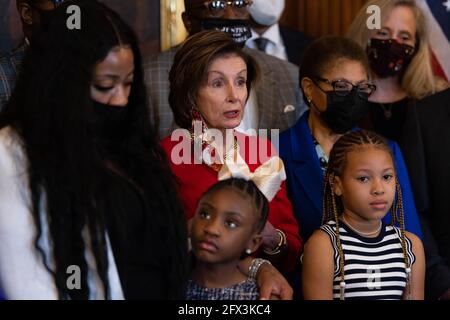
<point x="196" y="179"/>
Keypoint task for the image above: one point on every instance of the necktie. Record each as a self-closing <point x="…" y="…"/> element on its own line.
<point x="261" y="43"/>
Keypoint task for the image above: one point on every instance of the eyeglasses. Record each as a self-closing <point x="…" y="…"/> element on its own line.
<point x="217" y="7"/>
<point x="343" y="87"/>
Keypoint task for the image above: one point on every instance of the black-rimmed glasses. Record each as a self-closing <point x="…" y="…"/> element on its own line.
<point x="343" y="87"/>
<point x="217" y="7"/>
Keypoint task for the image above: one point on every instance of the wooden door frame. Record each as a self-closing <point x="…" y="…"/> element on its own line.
<point x="172" y="27"/>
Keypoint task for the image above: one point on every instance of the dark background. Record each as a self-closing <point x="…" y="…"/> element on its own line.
<point x="142" y="15"/>
<point x="313" y="17"/>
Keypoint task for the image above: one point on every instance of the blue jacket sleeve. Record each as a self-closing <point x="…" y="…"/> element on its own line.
<point x="412" y="223"/>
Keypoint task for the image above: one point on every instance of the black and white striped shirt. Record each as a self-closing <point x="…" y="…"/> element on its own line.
<point x="374" y="268"/>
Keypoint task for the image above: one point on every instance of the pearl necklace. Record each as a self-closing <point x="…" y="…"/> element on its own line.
<point x="364" y="234"/>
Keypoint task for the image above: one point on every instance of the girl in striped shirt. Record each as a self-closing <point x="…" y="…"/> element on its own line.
<point x="354" y="255"/>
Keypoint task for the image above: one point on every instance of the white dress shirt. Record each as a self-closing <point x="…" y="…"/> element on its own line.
<point x="250" y="120"/>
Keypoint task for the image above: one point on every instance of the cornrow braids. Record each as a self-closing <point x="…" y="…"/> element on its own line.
<point x="247" y="188"/>
<point x="399" y="210"/>
<point x="333" y="207"/>
<point x="338" y="161"/>
<point x="341" y="252"/>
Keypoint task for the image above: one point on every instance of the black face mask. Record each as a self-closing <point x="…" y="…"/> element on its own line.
<point x="388" y="57"/>
<point x="239" y="30"/>
<point x="344" y="112"/>
<point x="45" y="18"/>
<point x="108" y="122"/>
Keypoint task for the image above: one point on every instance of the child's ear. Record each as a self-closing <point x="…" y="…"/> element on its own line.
<point x="337" y="186"/>
<point x="254" y="243"/>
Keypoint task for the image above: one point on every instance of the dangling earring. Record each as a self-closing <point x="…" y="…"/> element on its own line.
<point x="196" y="118"/>
<point x="198" y="123"/>
<point x="248" y="251"/>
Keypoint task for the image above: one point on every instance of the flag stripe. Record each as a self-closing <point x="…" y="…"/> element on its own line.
<point x="439" y="40"/>
<point x="441" y="15"/>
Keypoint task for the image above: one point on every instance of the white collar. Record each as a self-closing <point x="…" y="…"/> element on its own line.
<point x="272" y="34"/>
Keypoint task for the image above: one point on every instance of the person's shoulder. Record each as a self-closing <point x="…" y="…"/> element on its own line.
<point x="167" y="143"/>
<point x="444" y="93"/>
<point x="178" y="136"/>
<point x="286" y="134"/>
<point x="320" y="235"/>
<point x="415" y="240"/>
<point x="6" y="62"/>
<point x="11" y="146"/>
<point x="285" y="142"/>
<point x="161" y="60"/>
<point x="13" y="56"/>
<point x="436" y="100"/>
<point x="319" y="241"/>
<point x="292" y="35"/>
<point x="296" y="131"/>
<point x="268" y="61"/>
<point x="8" y="136"/>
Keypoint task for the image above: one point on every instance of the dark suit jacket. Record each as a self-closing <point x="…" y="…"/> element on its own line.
<point x="426" y="146"/>
<point x="295" y="43"/>
<point x="10" y="66"/>
<point x="305" y="178"/>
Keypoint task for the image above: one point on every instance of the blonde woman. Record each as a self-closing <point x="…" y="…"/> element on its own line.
<point x="400" y="63"/>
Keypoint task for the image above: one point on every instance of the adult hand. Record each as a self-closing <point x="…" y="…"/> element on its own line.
<point x="272" y="285"/>
<point x="270" y="237"/>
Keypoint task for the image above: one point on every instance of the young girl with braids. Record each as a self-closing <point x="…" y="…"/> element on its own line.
<point x="355" y="255"/>
<point x="227" y="226"/>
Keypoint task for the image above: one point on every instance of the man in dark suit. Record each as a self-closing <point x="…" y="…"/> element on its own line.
<point x="30" y="12"/>
<point x="271" y="38"/>
<point x="276" y="102"/>
<point x="426" y="148"/>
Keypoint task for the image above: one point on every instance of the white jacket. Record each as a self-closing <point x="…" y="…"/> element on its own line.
<point x="23" y="274"/>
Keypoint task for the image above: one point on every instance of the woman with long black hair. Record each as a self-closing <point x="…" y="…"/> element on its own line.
<point x="88" y="208"/>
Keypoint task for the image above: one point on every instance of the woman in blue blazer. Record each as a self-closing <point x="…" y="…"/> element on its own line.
<point x="334" y="81"/>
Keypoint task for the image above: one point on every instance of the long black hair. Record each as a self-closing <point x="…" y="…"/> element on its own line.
<point x="50" y="110"/>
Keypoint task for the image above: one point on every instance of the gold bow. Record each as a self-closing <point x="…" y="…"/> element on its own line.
<point x="267" y="177"/>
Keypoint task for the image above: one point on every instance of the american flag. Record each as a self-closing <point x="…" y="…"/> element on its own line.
<point x="438" y="16"/>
